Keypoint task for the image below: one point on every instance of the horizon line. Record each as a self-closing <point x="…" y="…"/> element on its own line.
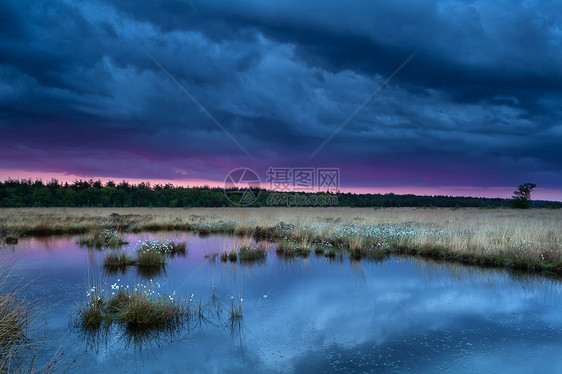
<point x="497" y="192"/>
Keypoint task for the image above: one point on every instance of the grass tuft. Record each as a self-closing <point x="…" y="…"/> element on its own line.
<point x="120" y="259"/>
<point x="138" y="309"/>
<point x="14" y="322"/>
<point x="19" y="352"/>
<point x="150" y="257"/>
<point x="290" y="248"/>
<point x="252" y="253"/>
<point x="142" y="311"/>
<point x="103" y="238"/>
<point x="236" y="312"/>
<point x="11" y="239"/>
<point x="168" y="247"/>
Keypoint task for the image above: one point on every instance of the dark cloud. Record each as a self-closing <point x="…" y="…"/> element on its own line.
<point x="478" y="105"/>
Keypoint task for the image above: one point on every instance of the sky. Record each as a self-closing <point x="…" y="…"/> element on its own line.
<point x="429" y="97"/>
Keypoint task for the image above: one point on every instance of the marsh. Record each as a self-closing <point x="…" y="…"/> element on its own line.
<point x="295" y="314"/>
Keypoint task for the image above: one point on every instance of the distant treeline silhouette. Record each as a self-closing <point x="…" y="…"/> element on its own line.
<point x="90" y="193"/>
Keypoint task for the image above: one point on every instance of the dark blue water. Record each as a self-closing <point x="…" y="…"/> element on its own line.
<point x="303" y="315"/>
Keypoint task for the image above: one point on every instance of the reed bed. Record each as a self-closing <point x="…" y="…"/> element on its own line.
<point x="521" y="239"/>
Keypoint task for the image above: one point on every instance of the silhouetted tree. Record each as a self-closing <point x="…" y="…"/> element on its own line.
<point x="522" y="196"/>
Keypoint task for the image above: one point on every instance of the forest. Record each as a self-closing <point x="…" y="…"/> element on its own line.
<point x="91" y="193"/>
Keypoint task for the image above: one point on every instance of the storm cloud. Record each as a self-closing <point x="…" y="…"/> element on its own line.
<point x="479" y="104"/>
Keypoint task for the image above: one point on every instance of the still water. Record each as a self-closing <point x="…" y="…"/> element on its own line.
<point x="312" y="315"/>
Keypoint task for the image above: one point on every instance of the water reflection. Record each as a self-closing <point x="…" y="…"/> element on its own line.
<point x="102" y="340"/>
<point x="315" y="314"/>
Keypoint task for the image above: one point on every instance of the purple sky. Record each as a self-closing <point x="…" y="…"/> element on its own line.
<point x="477" y="111"/>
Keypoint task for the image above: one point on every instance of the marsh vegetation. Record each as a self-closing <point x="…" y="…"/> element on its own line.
<point x="245" y="249"/>
<point x="519" y="239"/>
<point x="18" y="348"/>
<point x="103" y="238"/>
<point x="133" y="312"/>
<point x="149" y="254"/>
<point x="137" y="308"/>
<point x="143" y="311"/>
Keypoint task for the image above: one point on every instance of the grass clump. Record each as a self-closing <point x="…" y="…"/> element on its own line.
<point x="117" y="302"/>
<point x="120" y="259"/>
<point x="14" y="322"/>
<point x="103" y="238"/>
<point x="92" y="314"/>
<point x="232" y="256"/>
<point x="245" y="250"/>
<point x="168" y="247"/>
<point x="355" y="244"/>
<point x="11" y="239"/>
<point x="212" y="256"/>
<point x="19" y="351"/>
<point x="150" y="254"/>
<point x="252" y="253"/>
<point x="150" y="257"/>
<point x="291" y="248"/>
<point x="141" y="308"/>
<point x="236" y="312"/>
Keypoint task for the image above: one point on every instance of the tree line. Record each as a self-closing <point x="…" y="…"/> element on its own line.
<point x="90" y="193"/>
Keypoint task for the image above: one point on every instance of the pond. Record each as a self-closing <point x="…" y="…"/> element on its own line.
<point x="301" y="315"/>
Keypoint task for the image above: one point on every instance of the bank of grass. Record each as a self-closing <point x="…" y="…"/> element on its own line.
<point x="519" y="239"/>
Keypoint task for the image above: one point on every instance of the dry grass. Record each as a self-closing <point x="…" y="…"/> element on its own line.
<point x="118" y="259"/>
<point x="135" y="309"/>
<point x="15" y="318"/>
<point x="150" y="257"/>
<point x="103" y="238"/>
<point x="14" y="322"/>
<point x="528" y="239"/>
<point x="17" y="350"/>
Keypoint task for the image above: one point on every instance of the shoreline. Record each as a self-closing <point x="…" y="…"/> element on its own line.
<point x="513" y="239"/>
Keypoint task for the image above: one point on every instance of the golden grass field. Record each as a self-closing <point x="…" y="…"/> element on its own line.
<point x="499" y="237"/>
